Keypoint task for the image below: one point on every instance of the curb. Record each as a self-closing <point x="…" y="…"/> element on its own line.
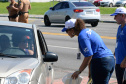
<point x="42" y="17"/>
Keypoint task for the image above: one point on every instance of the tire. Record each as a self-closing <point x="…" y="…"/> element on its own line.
<point x="46" y="21"/>
<point x="110" y="5"/>
<point x="67" y="18"/>
<point x="94" y="24"/>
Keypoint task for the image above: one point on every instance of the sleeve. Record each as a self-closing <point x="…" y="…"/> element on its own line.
<point x="85" y="47"/>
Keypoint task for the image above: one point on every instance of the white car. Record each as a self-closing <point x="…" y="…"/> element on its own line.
<point x="109" y="3"/>
<point x="24" y="56"/>
<point x="121" y="3"/>
<point x="66" y="10"/>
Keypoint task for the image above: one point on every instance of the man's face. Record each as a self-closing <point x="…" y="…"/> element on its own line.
<point x="118" y="18"/>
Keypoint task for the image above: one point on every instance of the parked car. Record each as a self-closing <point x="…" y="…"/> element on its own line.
<point x="121" y="3"/>
<point x="66" y="10"/>
<point x="24" y="56"/>
<point x="109" y="3"/>
<point x="97" y="2"/>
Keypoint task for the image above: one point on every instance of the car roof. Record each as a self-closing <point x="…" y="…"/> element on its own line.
<point x="18" y="24"/>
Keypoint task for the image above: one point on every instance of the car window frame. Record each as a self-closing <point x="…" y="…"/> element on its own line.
<point x="42" y="43"/>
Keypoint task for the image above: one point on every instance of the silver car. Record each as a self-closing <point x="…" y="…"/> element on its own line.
<point x="24" y="56"/>
<point x="66" y="10"/>
<point x="121" y="3"/>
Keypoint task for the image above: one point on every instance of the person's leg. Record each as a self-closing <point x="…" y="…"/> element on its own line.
<point x="13" y="19"/>
<point x="119" y="73"/>
<point x="101" y="69"/>
<point x="26" y="18"/>
<point x="21" y="18"/>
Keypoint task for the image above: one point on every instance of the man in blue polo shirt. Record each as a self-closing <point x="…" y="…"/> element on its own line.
<point x="120" y="49"/>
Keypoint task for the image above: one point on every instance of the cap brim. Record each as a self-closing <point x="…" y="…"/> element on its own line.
<point x="64" y="29"/>
<point x="114" y="14"/>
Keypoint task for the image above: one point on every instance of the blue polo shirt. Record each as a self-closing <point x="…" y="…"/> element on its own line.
<point x="120" y="49"/>
<point x="90" y="43"/>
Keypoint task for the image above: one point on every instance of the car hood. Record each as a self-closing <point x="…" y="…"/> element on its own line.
<point x="11" y="65"/>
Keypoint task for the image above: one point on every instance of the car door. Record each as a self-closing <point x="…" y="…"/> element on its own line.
<point x="54" y="16"/>
<point x="48" y="73"/>
<point x="63" y="11"/>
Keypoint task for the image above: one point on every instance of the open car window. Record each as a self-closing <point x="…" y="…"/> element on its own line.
<point x="17" y="41"/>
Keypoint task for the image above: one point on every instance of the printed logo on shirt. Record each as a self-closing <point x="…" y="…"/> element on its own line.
<point x="89" y="31"/>
<point x="86" y="50"/>
<point x="122" y="33"/>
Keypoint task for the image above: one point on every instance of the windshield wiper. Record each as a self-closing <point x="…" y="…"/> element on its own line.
<point x="4" y="55"/>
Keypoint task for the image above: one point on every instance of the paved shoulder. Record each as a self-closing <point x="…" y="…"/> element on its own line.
<point x="84" y="81"/>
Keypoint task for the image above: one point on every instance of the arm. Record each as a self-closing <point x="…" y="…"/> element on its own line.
<point x="123" y="64"/>
<point x="84" y="64"/>
<point x="29" y="7"/>
<point x="89" y="73"/>
<point x="15" y="8"/>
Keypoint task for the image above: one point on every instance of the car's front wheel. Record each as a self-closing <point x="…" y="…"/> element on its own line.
<point x="110" y="5"/>
<point x="46" y="21"/>
<point x="94" y="24"/>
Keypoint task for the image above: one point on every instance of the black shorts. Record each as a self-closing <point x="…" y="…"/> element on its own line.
<point x="13" y="16"/>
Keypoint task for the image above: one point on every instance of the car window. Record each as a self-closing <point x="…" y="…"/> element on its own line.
<point x="42" y="42"/>
<point x="17" y="41"/>
<point x="57" y="6"/>
<point x="65" y="5"/>
<point x="78" y="4"/>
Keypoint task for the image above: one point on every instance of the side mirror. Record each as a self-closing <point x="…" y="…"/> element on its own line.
<point x="50" y="57"/>
<point x="51" y="8"/>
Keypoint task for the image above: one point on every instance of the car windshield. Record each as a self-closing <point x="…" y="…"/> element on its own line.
<point x="17" y="41"/>
<point x="79" y="4"/>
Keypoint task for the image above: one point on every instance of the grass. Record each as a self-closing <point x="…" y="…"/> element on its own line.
<point x="41" y="8"/>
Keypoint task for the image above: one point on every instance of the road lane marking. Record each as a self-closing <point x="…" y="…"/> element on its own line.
<point x="61" y="47"/>
<point x="49" y="33"/>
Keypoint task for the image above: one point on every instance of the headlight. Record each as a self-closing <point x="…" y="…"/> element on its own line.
<point x="20" y="77"/>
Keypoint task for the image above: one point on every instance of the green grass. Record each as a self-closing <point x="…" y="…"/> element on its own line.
<point x="41" y="8"/>
<point x="107" y="10"/>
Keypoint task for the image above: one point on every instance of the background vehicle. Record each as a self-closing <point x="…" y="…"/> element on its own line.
<point x="121" y="3"/>
<point x="66" y="10"/>
<point x="97" y="2"/>
<point x="109" y="3"/>
<point x="19" y="67"/>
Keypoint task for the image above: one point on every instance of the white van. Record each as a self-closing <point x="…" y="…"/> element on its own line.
<point x="109" y="3"/>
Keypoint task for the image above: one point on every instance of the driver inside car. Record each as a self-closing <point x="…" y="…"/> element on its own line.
<point x="24" y="44"/>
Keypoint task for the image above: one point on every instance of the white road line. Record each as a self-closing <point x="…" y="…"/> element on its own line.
<point x="61" y="47"/>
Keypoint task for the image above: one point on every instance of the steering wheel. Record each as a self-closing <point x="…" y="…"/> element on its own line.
<point x="14" y="51"/>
